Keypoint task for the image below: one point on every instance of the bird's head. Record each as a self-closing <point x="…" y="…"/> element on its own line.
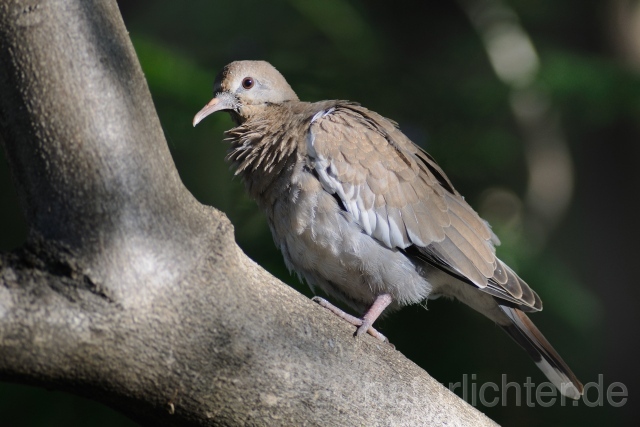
<point x="244" y="84"/>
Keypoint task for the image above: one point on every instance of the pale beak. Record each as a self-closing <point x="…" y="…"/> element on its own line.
<point x="213" y="106"/>
<point x="222" y="101"/>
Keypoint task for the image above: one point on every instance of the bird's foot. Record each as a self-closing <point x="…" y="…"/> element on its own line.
<point x="364" y="324"/>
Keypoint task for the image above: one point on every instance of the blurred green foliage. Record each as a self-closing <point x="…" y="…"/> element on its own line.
<point x="423" y="65"/>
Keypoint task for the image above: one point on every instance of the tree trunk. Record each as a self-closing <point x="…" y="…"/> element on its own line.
<point x="131" y="292"/>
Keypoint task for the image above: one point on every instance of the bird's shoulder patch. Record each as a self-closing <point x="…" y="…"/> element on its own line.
<point x="373" y="168"/>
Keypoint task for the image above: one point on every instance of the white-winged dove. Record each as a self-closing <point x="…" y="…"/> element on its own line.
<point x="364" y="214"/>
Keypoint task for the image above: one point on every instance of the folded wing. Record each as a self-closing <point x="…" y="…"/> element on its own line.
<point x="398" y="195"/>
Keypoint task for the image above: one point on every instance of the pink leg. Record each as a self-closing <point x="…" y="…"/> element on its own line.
<point x="364" y="324"/>
<point x="382" y="301"/>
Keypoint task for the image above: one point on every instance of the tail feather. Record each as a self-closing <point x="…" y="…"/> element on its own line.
<point x="525" y="333"/>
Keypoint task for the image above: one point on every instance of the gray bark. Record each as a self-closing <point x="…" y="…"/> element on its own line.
<point x="131" y="292"/>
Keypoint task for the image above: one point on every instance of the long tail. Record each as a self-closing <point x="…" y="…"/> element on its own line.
<point x="525" y="333"/>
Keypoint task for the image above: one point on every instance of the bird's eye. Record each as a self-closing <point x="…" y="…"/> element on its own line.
<point x="247" y="82"/>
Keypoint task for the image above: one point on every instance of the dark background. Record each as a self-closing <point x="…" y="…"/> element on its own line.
<point x="426" y="65"/>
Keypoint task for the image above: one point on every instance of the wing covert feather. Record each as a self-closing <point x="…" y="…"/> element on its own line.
<point x="398" y="195"/>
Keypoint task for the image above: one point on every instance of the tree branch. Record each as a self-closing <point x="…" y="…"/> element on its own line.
<point x="131" y="292"/>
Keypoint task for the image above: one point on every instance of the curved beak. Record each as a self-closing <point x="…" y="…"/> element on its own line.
<point x="222" y="101"/>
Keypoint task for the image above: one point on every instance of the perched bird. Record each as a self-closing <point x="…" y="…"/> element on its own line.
<point x="364" y="214"/>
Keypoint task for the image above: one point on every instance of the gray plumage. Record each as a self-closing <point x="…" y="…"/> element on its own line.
<point x="361" y="212"/>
